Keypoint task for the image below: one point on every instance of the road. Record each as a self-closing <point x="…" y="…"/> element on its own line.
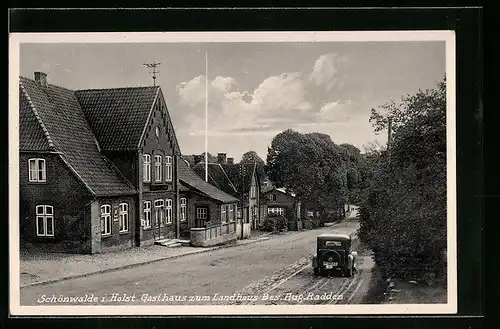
<point x="279" y="266"/>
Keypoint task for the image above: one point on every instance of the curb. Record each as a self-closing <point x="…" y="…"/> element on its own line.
<point x="77" y="276"/>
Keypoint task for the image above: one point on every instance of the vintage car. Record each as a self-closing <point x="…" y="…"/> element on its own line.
<point x="334" y="255"/>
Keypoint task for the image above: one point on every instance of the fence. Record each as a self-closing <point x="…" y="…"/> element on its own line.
<point x="213" y="234"/>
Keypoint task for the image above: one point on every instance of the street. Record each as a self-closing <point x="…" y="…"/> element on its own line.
<point x="274" y="271"/>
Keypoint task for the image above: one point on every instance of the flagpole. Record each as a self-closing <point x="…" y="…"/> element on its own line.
<point x="206" y="116"/>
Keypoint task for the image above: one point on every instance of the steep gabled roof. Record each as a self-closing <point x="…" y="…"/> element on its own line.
<point x="66" y="130"/>
<point x="217" y="176"/>
<point x="188" y="177"/>
<point x="241" y="181"/>
<point x="118" y="116"/>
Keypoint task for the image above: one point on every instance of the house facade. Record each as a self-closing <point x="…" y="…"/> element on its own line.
<point x="279" y="202"/>
<point x="99" y="169"/>
<point x="240" y="181"/>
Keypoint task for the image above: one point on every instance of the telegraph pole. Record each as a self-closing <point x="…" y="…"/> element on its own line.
<point x="389" y="134"/>
<point x="154" y="70"/>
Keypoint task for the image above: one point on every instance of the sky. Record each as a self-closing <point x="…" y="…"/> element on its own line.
<point x="255" y="89"/>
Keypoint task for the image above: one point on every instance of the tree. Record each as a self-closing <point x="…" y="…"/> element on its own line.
<point x="251" y="157"/>
<point x="311" y="166"/>
<point x="403" y="213"/>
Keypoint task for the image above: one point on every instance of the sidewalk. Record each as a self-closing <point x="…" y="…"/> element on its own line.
<point x="38" y="267"/>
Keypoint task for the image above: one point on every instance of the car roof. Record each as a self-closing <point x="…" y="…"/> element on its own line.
<point x="334" y="236"/>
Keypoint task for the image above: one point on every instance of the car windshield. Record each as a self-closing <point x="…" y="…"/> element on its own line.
<point x="333" y="244"/>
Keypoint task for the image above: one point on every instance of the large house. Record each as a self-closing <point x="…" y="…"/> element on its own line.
<point x="240" y="181"/>
<point x="102" y="170"/>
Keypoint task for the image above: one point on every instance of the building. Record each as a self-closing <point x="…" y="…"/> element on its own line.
<point x="279" y="202"/>
<point x="241" y="181"/>
<point x="99" y="169"/>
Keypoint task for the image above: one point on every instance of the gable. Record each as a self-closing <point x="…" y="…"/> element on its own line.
<point x="159" y="118"/>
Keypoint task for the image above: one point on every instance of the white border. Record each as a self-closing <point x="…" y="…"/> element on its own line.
<point x="15" y="39"/>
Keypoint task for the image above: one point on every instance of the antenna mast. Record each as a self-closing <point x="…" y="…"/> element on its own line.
<point x="154" y="70"/>
<point x="206" y="116"/>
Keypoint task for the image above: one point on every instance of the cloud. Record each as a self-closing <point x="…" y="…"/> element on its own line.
<point x="278" y="102"/>
<point x="325" y="70"/>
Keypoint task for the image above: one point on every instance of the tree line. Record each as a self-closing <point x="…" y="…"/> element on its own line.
<point x="401" y="188"/>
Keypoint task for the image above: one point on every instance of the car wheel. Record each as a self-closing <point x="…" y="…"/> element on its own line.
<point x="316" y="271"/>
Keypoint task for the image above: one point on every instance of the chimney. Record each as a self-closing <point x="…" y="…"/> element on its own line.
<point x="197" y="159"/>
<point x="221" y="158"/>
<point x="41" y="78"/>
<point x="230" y="160"/>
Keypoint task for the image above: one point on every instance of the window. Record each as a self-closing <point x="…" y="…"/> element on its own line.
<point x="158" y="220"/>
<point x="231" y="213"/>
<point x="223" y="214"/>
<point x="168" y="168"/>
<point x="147" y="214"/>
<point x="146" y="168"/>
<point x="252" y="191"/>
<point x="106" y="219"/>
<point x="44" y="220"/>
<point x="238" y="213"/>
<point x="37" y="170"/>
<point x="157" y="132"/>
<point x="158" y="161"/>
<point x="183" y="209"/>
<point x="310" y="214"/>
<point x="123" y="217"/>
<point x="275" y="211"/>
<point x="168" y="213"/>
<point x="273" y="197"/>
<point x="201" y="213"/>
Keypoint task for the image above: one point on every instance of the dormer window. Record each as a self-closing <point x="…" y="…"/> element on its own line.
<point x="158" y="168"/>
<point x="37" y="170"/>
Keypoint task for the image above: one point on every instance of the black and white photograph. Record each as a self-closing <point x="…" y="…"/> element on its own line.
<point x="232" y="173"/>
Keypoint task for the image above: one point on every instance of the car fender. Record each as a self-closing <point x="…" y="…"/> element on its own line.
<point x="350" y="261"/>
<point x="315" y="261"/>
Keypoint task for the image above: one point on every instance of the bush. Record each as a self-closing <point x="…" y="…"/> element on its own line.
<point x="307" y="223"/>
<point x="275" y="223"/>
<point x="403" y="209"/>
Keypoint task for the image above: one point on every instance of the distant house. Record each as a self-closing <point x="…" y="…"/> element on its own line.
<point x="280" y="202"/>
<point x="202" y="201"/>
<point x="101" y="170"/>
<point x="241" y="181"/>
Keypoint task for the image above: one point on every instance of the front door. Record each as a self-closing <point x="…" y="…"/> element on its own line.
<point x="158" y="220"/>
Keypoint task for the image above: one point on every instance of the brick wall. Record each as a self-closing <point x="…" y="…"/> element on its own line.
<point x="116" y="240"/>
<point x="69" y="198"/>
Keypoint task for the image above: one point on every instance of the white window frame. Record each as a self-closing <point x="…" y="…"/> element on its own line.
<point x="146" y="168"/>
<point x="37" y="170"/>
<point x="275" y="210"/>
<point x="46" y="214"/>
<point x="168" y="168"/>
<point x="123" y="217"/>
<point x="147" y="214"/>
<point x="183" y="209"/>
<point x="223" y="213"/>
<point x="231" y="213"/>
<point x="168" y="211"/>
<point x="106" y="220"/>
<point x="158" y="168"/>
<point x="202" y="214"/>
